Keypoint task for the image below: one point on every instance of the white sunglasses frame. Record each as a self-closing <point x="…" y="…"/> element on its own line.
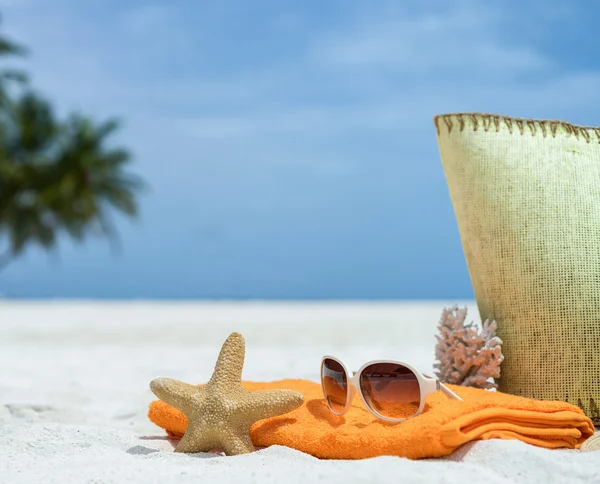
<point x="427" y="386"/>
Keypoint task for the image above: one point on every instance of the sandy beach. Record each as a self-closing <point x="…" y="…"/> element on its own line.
<point x="74" y="391"/>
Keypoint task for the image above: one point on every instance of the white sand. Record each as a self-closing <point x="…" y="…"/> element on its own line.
<point x="74" y="392"/>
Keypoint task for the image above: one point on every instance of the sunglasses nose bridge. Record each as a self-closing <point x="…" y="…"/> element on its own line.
<point x="353" y="390"/>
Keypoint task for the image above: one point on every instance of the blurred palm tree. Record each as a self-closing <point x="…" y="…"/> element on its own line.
<point x="56" y="176"/>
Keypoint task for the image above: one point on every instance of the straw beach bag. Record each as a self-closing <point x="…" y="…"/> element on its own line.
<point x="526" y="195"/>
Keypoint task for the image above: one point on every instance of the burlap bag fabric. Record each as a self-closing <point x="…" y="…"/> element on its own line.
<point x="526" y="195"/>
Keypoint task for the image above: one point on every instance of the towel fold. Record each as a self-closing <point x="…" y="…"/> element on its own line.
<point x="444" y="426"/>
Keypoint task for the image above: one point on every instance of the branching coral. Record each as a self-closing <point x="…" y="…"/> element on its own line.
<point x="466" y="356"/>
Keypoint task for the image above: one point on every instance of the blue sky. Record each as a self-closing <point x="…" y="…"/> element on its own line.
<point x="289" y="146"/>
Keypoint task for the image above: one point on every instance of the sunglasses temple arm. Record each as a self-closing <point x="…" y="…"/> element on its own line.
<point x="449" y="393"/>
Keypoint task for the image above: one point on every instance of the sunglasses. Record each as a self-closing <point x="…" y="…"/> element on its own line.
<point x="391" y="390"/>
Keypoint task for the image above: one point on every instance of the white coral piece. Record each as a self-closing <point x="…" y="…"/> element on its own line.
<point x="464" y="355"/>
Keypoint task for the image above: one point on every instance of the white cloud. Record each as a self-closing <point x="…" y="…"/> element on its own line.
<point x="470" y="37"/>
<point x="395" y="69"/>
<point x="398" y="70"/>
<point x="215" y="127"/>
<point x="156" y="29"/>
<point x="145" y="19"/>
<point x="316" y="122"/>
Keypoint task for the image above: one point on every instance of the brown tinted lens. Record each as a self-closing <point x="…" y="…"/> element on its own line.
<point x="391" y="390"/>
<point x="335" y="384"/>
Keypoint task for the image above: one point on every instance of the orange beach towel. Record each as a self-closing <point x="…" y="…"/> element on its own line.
<point x="443" y="427"/>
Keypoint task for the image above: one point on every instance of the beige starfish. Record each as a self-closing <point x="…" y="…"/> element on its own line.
<point x="221" y="412"/>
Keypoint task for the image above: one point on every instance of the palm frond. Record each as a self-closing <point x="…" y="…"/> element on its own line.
<point x="58" y="176"/>
<point x="8" y="47"/>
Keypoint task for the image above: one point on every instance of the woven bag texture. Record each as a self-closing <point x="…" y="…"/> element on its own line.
<point x="526" y="195"/>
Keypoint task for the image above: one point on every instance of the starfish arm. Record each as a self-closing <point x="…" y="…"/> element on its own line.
<point x="193" y="442"/>
<point x="228" y="369"/>
<point x="237" y="444"/>
<point x="175" y="393"/>
<point x="270" y="403"/>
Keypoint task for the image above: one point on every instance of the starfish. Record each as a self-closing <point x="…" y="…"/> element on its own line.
<point x="221" y="412"/>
